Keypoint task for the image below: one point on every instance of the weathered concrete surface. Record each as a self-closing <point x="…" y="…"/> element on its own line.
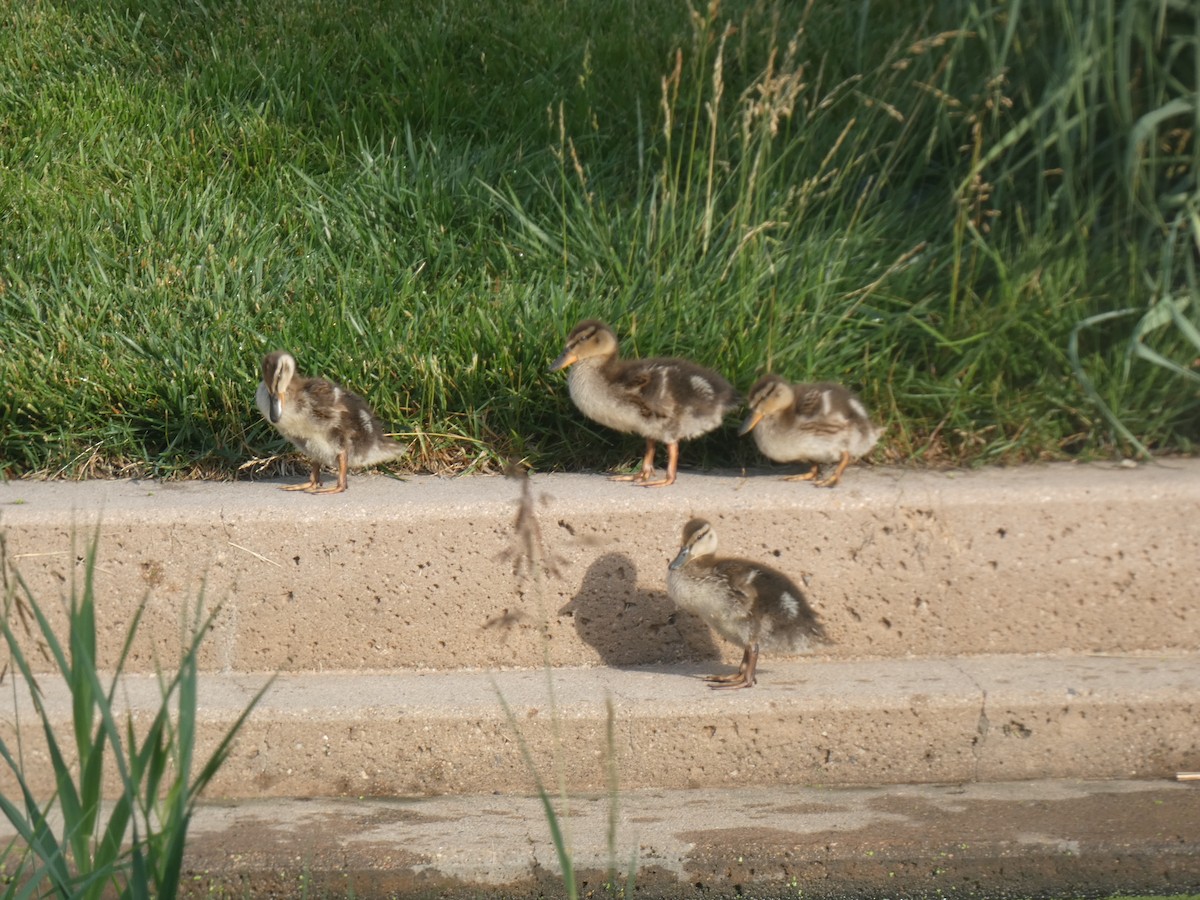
<point x="1005" y="624"/>
<point x="1062" y="838"/>
<point x="816" y="723"/>
<point x="413" y="574"/>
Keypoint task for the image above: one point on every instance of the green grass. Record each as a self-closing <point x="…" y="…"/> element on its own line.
<point x="935" y="203"/>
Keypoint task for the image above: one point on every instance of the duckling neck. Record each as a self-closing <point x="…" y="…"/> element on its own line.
<point x="695" y="569"/>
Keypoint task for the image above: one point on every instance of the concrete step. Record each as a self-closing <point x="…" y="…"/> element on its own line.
<point x="806" y="723"/>
<point x="416" y="573"/>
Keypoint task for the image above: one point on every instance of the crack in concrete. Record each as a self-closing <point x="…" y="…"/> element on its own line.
<point x="983" y="724"/>
<point x="225" y="635"/>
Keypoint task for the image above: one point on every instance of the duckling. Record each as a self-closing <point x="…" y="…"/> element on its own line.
<point x="746" y="602"/>
<point x="329" y="425"/>
<point x="667" y="400"/>
<point x="815" y="423"/>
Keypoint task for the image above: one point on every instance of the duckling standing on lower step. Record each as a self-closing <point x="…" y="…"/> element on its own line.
<point x="814" y="423"/>
<point x="667" y="400"/>
<point x="747" y="603"/>
<point x="329" y="425"/>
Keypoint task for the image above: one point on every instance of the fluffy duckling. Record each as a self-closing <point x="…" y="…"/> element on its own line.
<point x="329" y="425"/>
<point x="747" y="603"/>
<point x="814" y="423"/>
<point x="667" y="400"/>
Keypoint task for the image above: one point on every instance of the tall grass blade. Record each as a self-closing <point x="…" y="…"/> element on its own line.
<point x="561" y="850"/>
<point x="137" y="851"/>
<point x="1089" y="386"/>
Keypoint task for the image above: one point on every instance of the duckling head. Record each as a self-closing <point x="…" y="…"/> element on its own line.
<point x="589" y="339"/>
<point x="699" y="539"/>
<point x="770" y="396"/>
<point x="278" y="370"/>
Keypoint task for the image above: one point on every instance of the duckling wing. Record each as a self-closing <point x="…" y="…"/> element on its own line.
<point x="834" y="416"/>
<point x="644" y="386"/>
<point x="741" y="576"/>
<point x="322" y="404"/>
<point x="773" y="600"/>
<point x="829" y="403"/>
<point x="364" y="434"/>
<point x="339" y="420"/>
<point x="825" y="403"/>
<point x="319" y="396"/>
<point x="662" y="388"/>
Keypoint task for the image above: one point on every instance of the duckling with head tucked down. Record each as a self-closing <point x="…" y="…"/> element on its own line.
<point x="329" y="425"/>
<point x="813" y="423"/>
<point x="662" y="399"/>
<point x="747" y="603"/>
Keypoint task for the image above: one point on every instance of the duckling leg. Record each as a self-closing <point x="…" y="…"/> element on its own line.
<point x="647" y="466"/>
<point x="744" y="678"/>
<point x="737" y="676"/>
<point x="672" y="465"/>
<point x="810" y="475"/>
<point x="836" y="476"/>
<point x="341" y="482"/>
<point x="752" y="669"/>
<point x="314" y="481"/>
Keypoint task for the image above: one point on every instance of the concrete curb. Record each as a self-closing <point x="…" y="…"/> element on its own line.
<point x="416" y="574"/>
<point x="989" y="626"/>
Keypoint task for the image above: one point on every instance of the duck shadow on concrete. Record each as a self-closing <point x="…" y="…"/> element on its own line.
<point x="631" y="625"/>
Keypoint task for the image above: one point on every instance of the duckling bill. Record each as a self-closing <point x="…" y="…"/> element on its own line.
<point x="664" y="400"/>
<point x="813" y="423"/>
<point x="327" y="423"/>
<point x="747" y="603"/>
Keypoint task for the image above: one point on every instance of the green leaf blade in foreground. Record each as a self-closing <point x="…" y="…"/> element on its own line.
<point x="139" y="850"/>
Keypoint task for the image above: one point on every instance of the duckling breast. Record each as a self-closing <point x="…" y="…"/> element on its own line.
<point x="708" y="596"/>
<point x="262" y="400"/>
<point x="599" y="400"/>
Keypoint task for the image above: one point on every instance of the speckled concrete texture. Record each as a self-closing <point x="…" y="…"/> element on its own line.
<point x="828" y="723"/>
<point x="417" y="573"/>
<point x="998" y="635"/>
